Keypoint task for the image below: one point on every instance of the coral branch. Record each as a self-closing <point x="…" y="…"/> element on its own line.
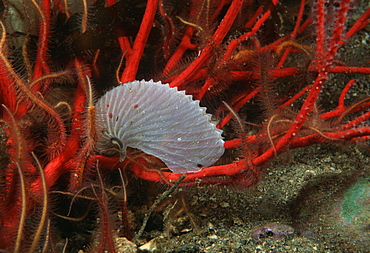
<point x="265" y="71"/>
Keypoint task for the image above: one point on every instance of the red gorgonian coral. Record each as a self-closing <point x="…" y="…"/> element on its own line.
<point x="261" y="62"/>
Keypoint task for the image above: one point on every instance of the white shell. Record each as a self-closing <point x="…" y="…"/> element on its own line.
<point x="160" y="121"/>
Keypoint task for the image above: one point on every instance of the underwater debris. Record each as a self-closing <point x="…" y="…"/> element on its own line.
<point x="276" y="230"/>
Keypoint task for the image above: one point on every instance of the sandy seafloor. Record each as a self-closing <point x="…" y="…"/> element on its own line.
<point x="306" y="194"/>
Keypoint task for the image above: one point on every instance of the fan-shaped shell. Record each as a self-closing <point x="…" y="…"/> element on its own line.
<point x="160" y="121"/>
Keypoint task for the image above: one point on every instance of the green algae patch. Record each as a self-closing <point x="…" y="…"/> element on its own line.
<point x="356" y="200"/>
